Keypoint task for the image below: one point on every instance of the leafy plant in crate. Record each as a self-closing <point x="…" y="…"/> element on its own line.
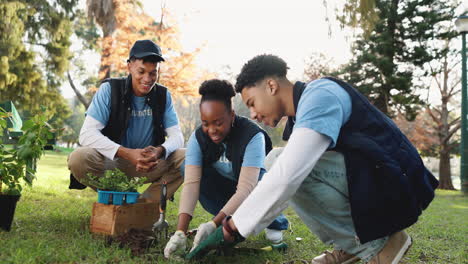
<point x="18" y="163"/>
<point x="116" y="184"/>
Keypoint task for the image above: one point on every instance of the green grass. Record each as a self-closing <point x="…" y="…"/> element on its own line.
<point x="51" y="225"/>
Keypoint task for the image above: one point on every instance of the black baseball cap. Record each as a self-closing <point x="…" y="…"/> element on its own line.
<point x="145" y="48"/>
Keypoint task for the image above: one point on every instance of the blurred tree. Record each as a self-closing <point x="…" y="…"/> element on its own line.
<point x="103" y="12"/>
<point x="359" y="14"/>
<point x="318" y="65"/>
<point x="131" y="23"/>
<point x="87" y="35"/>
<point x="420" y="132"/>
<point x="385" y="59"/>
<point x="188" y="111"/>
<point x="446" y="118"/>
<point x="34" y="53"/>
<point x="441" y="119"/>
<point x="73" y="124"/>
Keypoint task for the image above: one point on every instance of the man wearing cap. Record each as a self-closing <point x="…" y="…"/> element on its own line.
<point x="131" y="125"/>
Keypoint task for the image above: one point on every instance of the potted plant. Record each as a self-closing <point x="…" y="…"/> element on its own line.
<point x="115" y="187"/>
<point x="18" y="163"/>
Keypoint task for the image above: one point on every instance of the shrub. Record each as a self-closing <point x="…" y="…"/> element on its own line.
<point x="18" y="164"/>
<point x="115" y="180"/>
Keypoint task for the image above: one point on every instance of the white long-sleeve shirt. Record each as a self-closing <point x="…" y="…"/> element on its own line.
<point x="280" y="183"/>
<point x="91" y="136"/>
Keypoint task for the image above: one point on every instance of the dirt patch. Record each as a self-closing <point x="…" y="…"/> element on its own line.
<point x="138" y="241"/>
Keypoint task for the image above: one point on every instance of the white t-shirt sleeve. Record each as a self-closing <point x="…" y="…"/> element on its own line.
<point x="281" y="182"/>
<point x="174" y="140"/>
<point x="91" y="136"/>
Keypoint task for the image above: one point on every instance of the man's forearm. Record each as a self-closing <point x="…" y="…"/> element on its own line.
<point x="123" y="152"/>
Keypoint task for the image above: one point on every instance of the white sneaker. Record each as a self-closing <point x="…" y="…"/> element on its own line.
<point x="273" y="235"/>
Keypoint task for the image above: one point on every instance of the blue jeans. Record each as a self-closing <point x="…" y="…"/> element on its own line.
<point x="322" y="203"/>
<point x="216" y="190"/>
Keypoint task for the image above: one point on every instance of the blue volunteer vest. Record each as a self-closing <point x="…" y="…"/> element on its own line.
<point x="236" y="142"/>
<point x="121" y="94"/>
<point x="388" y="184"/>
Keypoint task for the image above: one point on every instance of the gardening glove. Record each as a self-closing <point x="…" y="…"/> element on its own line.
<point x="213" y="241"/>
<point x="204" y="230"/>
<point x="178" y="242"/>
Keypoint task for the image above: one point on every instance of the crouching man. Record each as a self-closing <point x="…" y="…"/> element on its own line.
<point x="131" y="125"/>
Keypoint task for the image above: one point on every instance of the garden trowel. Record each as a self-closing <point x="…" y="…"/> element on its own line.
<point x="160" y="228"/>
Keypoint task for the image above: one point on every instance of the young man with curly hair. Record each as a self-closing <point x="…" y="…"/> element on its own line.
<point x="347" y="170"/>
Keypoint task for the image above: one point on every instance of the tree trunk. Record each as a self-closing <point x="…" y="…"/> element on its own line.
<point x="382" y="102"/>
<point x="104" y="70"/>
<point x="80" y="97"/>
<point x="103" y="11"/>
<point x="445" y="175"/>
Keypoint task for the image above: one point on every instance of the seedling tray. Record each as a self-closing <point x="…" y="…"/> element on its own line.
<point x="117" y="198"/>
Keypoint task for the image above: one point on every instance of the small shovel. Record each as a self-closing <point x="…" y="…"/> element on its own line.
<point x="160" y="228"/>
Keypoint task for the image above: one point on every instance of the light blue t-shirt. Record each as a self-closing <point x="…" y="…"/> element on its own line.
<point x="140" y="126"/>
<point x="324" y="107"/>
<point x="253" y="157"/>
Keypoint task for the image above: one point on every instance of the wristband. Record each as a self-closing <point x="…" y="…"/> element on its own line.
<point x="237" y="236"/>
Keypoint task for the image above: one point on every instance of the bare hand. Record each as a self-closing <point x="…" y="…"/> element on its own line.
<point x="156" y="152"/>
<point x="151" y="157"/>
<point x="131" y="155"/>
<point x="227" y="236"/>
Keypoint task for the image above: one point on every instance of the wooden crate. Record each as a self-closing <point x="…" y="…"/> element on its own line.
<point x="108" y="219"/>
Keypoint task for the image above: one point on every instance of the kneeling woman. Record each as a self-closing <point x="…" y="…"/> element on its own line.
<point x="223" y="163"/>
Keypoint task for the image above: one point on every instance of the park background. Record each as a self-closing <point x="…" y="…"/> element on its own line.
<point x="404" y="55"/>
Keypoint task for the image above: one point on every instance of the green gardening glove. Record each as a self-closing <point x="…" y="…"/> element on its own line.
<point x="213" y="241"/>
